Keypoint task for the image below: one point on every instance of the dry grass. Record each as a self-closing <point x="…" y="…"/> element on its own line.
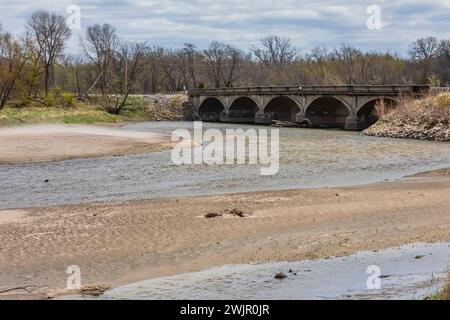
<point x="446" y="295"/>
<point x="383" y="108"/>
<point x="432" y="109"/>
<point x="426" y="118"/>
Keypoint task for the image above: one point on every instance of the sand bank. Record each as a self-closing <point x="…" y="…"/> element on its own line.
<point x="119" y="243"/>
<point x="39" y="143"/>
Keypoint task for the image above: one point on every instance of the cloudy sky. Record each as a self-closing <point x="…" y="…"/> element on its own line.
<point x="243" y="22"/>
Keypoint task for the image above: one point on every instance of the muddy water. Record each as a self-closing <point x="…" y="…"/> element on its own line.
<point x="309" y="159"/>
<point x="407" y="272"/>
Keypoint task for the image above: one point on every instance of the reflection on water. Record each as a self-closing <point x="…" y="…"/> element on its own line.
<point x="309" y="158"/>
<point x="408" y="272"/>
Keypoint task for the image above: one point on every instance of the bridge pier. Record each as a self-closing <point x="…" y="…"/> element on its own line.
<point x="263" y="118"/>
<point x="352" y="123"/>
<point x="302" y="119"/>
<point x="233" y="118"/>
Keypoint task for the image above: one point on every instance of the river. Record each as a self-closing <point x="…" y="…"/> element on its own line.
<point x="412" y="271"/>
<point x="309" y="158"/>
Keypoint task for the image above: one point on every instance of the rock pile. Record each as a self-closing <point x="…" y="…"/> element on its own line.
<point x="427" y="118"/>
<point x="170" y="107"/>
<point x="394" y="128"/>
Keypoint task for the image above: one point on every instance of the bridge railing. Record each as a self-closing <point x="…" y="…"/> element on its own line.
<point x="350" y="89"/>
<point x="440" y="89"/>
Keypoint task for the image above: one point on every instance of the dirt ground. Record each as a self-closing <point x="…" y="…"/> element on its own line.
<point x="119" y="243"/>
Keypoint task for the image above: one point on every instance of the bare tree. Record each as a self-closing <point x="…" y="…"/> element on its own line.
<point x="215" y="57"/>
<point x="99" y="47"/>
<point x="423" y="51"/>
<point x="424" y="48"/>
<point x="74" y="64"/>
<point x="385" y="68"/>
<point x="33" y="54"/>
<point x="235" y="58"/>
<point x="222" y="61"/>
<point x="276" y="51"/>
<point x="127" y="65"/>
<point x="174" y="69"/>
<point x="347" y="60"/>
<point x="444" y="60"/>
<point x="317" y="64"/>
<point x="50" y="32"/>
<point x="12" y="61"/>
<point x="191" y="56"/>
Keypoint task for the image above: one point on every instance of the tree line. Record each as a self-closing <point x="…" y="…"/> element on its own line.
<point x="36" y="67"/>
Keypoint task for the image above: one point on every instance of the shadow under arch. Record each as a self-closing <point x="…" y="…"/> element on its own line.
<point x="282" y="108"/>
<point x="327" y="112"/>
<point x="373" y="110"/>
<point x="211" y="109"/>
<point x="243" y="110"/>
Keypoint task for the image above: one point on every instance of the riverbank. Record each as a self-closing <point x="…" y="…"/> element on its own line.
<point x="446" y="295"/>
<point x="441" y="295"/>
<point x="119" y="243"/>
<point x="39" y="143"/>
<point x="422" y="119"/>
<point x="155" y="107"/>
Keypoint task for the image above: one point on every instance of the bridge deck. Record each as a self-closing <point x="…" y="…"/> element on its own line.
<point x="315" y="90"/>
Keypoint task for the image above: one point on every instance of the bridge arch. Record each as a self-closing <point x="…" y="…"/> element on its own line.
<point x="211" y="109"/>
<point x="243" y="109"/>
<point x="368" y="112"/>
<point x="328" y="111"/>
<point x="282" y="108"/>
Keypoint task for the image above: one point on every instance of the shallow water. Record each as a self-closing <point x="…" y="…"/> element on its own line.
<point x="408" y="272"/>
<point x="309" y="159"/>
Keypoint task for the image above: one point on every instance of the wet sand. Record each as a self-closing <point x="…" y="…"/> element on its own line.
<point x="120" y="243"/>
<point x="42" y="143"/>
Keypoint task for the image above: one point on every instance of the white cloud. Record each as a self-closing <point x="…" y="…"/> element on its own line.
<point x="244" y="22"/>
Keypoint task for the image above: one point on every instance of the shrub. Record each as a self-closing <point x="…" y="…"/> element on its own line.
<point x="68" y="99"/>
<point x="49" y="100"/>
<point x="432" y="109"/>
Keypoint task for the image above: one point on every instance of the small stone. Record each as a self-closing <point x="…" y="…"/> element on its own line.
<point x="212" y="215"/>
<point x="50" y="295"/>
<point x="94" y="290"/>
<point x="280" y="276"/>
<point x="238" y="213"/>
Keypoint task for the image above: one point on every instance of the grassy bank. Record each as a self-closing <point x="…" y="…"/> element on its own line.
<point x="425" y="119"/>
<point x="446" y="293"/>
<point x="82" y="114"/>
<point x="442" y="295"/>
<point x="150" y="108"/>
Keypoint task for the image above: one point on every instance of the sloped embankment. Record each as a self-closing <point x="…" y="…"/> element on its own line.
<point x="424" y="119"/>
<point x="169" y="107"/>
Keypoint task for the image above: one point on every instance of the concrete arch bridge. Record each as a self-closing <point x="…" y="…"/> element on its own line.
<point x="351" y="107"/>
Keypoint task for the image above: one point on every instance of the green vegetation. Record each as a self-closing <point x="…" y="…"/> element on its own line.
<point x="442" y="295"/>
<point x="64" y="108"/>
<point x="30" y="115"/>
<point x="436" y="296"/>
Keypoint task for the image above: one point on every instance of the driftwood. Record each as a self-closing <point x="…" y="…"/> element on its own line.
<point x="39" y="101"/>
<point x="26" y="289"/>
